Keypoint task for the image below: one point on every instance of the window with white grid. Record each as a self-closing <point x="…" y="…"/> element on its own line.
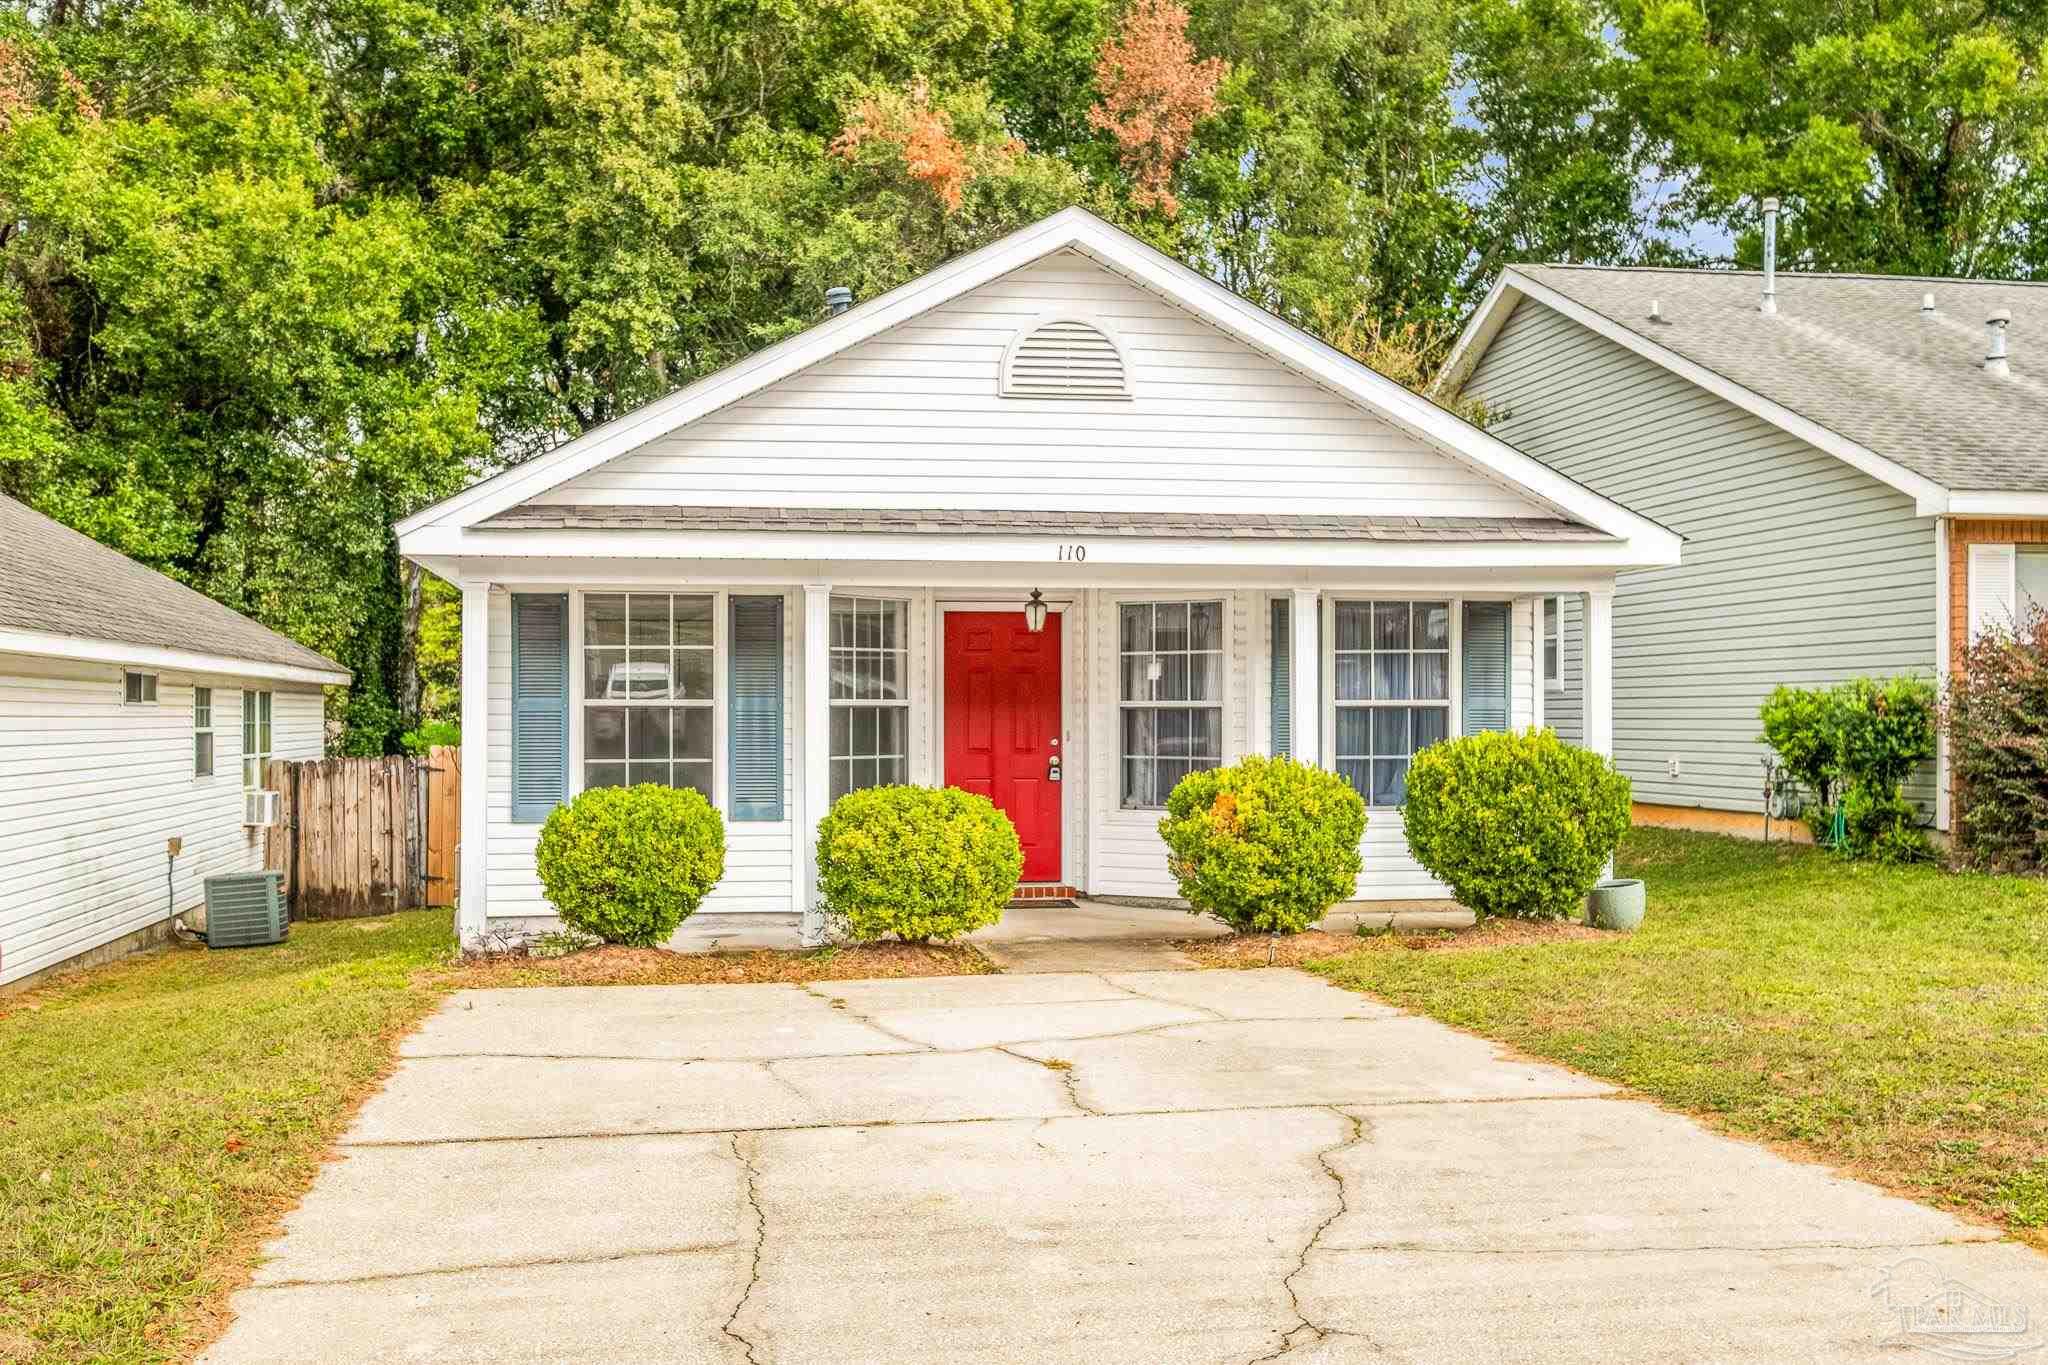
<point x="870" y="644"/>
<point x="1393" y="691"/>
<point x="1170" y="658"/>
<point x="648" y="689"/>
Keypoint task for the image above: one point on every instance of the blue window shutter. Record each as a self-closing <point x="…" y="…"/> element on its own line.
<point x="1283" y="678"/>
<point x="1486" y="666"/>
<point x="755" y="730"/>
<point x="540" y="705"/>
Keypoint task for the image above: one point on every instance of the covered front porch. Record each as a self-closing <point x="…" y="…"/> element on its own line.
<point x="775" y="661"/>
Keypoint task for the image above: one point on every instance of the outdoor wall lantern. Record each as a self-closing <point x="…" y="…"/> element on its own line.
<point x="1034" y="612"/>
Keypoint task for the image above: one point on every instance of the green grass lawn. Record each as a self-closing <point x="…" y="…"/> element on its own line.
<point x="1893" y="1023"/>
<point x="157" y="1114"/>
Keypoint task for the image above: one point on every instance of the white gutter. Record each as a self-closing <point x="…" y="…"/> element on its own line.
<point x="155" y="656"/>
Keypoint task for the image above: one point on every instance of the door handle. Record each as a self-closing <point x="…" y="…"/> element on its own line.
<point x="1052" y="769"/>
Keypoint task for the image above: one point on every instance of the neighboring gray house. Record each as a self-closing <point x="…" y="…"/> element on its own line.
<point x="1858" y="487"/>
<point x="133" y="711"/>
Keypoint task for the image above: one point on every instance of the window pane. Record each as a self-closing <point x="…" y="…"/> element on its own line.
<point x="693" y="621"/>
<point x="1432" y="680"/>
<point x="202" y="707"/>
<point x="647" y="675"/>
<point x="1389" y="781"/>
<point x="1352" y="620"/>
<point x="1170" y="626"/>
<point x="693" y="775"/>
<point x="692" y="727"/>
<point x="604" y="674"/>
<point x="653" y="774"/>
<point x="842" y="777"/>
<point x="842" y="623"/>
<point x="891" y="774"/>
<point x="1390" y="731"/>
<point x="1352" y="671"/>
<point x="1549" y="616"/>
<point x="1390" y="625"/>
<point x="647" y="732"/>
<point x="1390" y="677"/>
<point x="1173" y="677"/>
<point x="1357" y="772"/>
<point x="863" y="730"/>
<point x="1551" y="672"/>
<point x="1432" y="725"/>
<point x="1137" y="787"/>
<point x="867" y="675"/>
<point x="842" y="674"/>
<point x="202" y="754"/>
<point x="867" y="626"/>
<point x="842" y="731"/>
<point x="891" y="687"/>
<point x="1167" y="775"/>
<point x="604" y="732"/>
<point x="890" y="729"/>
<point x="1205" y="677"/>
<point x="1173" y="733"/>
<point x="1205" y="625"/>
<point x="1137" y="676"/>
<point x="263" y="718"/>
<point x="647" y="619"/>
<point x="693" y="674"/>
<point x="604" y="619"/>
<point x="604" y="774"/>
<point x="1140" y="732"/>
<point x="252" y="772"/>
<point x="1353" y="733"/>
<point x="1137" y="627"/>
<point x="1205" y="733"/>
<point x="1432" y="625"/>
<point x="893" y="633"/>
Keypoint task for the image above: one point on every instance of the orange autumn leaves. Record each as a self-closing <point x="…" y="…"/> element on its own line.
<point x="1152" y="90"/>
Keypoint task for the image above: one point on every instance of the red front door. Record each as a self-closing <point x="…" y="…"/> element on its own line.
<point x="1003" y="724"/>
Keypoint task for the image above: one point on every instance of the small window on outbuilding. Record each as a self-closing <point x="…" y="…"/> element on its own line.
<point x="1065" y="358"/>
<point x="138" y="689"/>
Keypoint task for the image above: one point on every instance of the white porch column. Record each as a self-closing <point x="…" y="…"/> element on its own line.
<point x="1305" y="675"/>
<point x="814" y="745"/>
<point x="473" y="898"/>
<point x="1598" y="691"/>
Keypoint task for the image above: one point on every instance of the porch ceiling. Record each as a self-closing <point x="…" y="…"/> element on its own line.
<point x="1134" y="525"/>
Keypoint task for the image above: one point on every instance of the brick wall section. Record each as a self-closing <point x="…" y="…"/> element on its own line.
<point x="1961" y="536"/>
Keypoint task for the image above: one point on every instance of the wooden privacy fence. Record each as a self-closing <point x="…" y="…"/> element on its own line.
<point x="361" y="836"/>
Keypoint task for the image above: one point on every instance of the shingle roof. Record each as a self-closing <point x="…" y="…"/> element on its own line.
<point x="1195" y="525"/>
<point x="55" y="581"/>
<point x="1854" y="354"/>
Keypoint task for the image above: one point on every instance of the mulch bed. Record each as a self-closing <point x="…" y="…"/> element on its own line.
<point x="1252" y="950"/>
<point x="616" y="966"/>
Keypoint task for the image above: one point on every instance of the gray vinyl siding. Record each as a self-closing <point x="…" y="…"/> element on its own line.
<point x="1796" y="567"/>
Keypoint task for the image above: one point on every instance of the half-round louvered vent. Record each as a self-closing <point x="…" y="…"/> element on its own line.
<point x="1065" y="359"/>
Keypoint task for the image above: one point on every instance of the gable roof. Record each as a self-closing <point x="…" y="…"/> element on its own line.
<point x="1115" y="250"/>
<point x="65" y="594"/>
<point x="1849" y="363"/>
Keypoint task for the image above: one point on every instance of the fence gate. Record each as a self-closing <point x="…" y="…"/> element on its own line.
<point x="352" y="836"/>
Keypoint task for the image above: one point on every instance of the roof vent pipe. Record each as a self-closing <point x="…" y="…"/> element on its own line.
<point x="1656" y="312"/>
<point x="1994" y="353"/>
<point x="1927" y="305"/>
<point x="837" y="300"/>
<point x="1769" y="306"/>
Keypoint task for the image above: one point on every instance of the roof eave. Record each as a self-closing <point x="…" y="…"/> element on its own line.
<point x="89" y="650"/>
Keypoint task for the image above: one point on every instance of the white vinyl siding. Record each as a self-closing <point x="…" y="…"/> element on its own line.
<point x="91" y="787"/>
<point x="1798" y="569"/>
<point x="914" y="418"/>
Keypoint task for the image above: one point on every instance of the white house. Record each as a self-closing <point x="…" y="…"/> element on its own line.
<point x="133" y="711"/>
<point x="813" y="570"/>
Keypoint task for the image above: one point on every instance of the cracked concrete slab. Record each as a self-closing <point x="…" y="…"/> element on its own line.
<point x="1571" y="1175"/>
<point x="456" y="1213"/>
<point x="1275" y="1171"/>
<point x="1224" y="1064"/>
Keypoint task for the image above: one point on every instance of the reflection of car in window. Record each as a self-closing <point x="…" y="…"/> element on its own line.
<point x="641" y="678"/>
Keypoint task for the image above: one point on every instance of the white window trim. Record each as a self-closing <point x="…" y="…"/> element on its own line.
<point x="1552" y="682"/>
<point x="1455" y="699"/>
<point x="210" y="728"/>
<point x="1227" y="602"/>
<point x="847" y="703"/>
<point x="152" y="684"/>
<point x="720" y="608"/>
<point x="263" y="701"/>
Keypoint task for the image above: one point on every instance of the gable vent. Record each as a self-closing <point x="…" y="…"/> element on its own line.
<point x="1064" y="359"/>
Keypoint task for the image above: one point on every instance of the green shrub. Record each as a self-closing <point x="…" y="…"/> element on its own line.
<point x="1853" y="746"/>
<point x="1266" y="845"/>
<point x="1997" y="718"/>
<point x="1520" y="825"/>
<point x="629" y="864"/>
<point x="921" y="863"/>
<point x="431" y="735"/>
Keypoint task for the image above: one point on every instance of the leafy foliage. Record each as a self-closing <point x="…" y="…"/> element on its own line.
<point x="1154" y="91"/>
<point x="1267" y="845"/>
<point x="1519" y="825"/>
<point x="921" y="863"/>
<point x="1853" y="746"/>
<point x="1996" y="713"/>
<point x="430" y="735"/>
<point x="630" y="864"/>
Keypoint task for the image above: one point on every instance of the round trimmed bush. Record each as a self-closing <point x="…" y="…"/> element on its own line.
<point x="1266" y="845"/>
<point x="1519" y="825"/>
<point x="629" y="864"/>
<point x="921" y="863"/>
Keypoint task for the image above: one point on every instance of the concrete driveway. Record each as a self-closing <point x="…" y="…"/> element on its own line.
<point x="1146" y="1167"/>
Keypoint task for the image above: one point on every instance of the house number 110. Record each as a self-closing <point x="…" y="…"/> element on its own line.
<point x="1074" y="553"/>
